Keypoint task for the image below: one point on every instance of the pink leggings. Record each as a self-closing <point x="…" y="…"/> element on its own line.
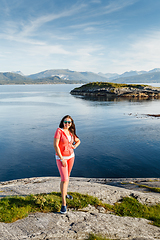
<point x="65" y="171"/>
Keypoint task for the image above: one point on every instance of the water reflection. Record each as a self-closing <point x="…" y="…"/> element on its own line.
<point x="116" y="139"/>
<point x="113" y="99"/>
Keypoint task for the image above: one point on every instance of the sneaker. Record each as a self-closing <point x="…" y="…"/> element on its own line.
<point x="63" y="209"/>
<point x="69" y="197"/>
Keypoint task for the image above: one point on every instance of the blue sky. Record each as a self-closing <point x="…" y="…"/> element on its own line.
<point x="81" y="35"/>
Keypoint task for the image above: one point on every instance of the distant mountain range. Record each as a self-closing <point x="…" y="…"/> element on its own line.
<point x="67" y="74"/>
<point x="150" y="77"/>
<point x="14" y="78"/>
<point x="64" y="76"/>
<point x="112" y="76"/>
<point x="127" y="77"/>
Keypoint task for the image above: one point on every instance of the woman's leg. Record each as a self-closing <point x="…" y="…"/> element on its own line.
<point x="65" y="173"/>
<point x="63" y="187"/>
<point x="64" y="181"/>
<point x="70" y="163"/>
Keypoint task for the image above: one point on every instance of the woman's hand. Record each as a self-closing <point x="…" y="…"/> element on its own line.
<point x="64" y="163"/>
<point x="76" y="144"/>
<point x="73" y="146"/>
<point x="57" y="150"/>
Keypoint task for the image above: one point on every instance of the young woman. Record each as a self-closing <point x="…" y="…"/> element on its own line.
<point x="65" y="141"/>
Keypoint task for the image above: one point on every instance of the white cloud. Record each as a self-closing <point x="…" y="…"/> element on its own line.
<point x="90" y="29"/>
<point x="95" y="1"/>
<point x="85" y="42"/>
<point x="48" y="50"/>
<point x="86" y="58"/>
<point x="25" y="31"/>
<point x="88" y="50"/>
<point x="84" y="25"/>
<point x="141" y="53"/>
<point x="117" y="5"/>
<point x="34" y="25"/>
<point x="148" y="44"/>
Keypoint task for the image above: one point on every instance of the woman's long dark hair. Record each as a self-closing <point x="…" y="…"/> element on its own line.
<point x="72" y="128"/>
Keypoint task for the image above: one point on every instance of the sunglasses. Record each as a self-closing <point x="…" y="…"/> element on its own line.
<point x="69" y="122"/>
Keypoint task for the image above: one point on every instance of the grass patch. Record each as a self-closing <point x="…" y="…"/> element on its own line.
<point x="96" y="237"/>
<point x="93" y="85"/>
<point x="131" y="207"/>
<point x="152" y="189"/>
<point x="125" y="183"/>
<point x="17" y="207"/>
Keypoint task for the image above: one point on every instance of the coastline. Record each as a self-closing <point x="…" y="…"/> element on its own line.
<point x="37" y="185"/>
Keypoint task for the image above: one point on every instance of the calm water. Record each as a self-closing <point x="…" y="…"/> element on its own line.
<point x="117" y="139"/>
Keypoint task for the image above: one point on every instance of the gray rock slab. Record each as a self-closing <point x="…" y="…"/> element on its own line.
<point x="105" y="192"/>
<point x="77" y="224"/>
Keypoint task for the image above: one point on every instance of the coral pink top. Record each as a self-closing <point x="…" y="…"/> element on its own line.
<point x="64" y="144"/>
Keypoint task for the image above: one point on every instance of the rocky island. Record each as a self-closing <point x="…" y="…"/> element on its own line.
<point x="109" y="90"/>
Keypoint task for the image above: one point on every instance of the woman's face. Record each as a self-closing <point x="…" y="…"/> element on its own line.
<point x="67" y="123"/>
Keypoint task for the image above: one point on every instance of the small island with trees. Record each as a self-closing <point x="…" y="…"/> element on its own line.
<point x="109" y="90"/>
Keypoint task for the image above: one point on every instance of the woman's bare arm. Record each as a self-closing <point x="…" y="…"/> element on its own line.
<point x="57" y="149"/>
<point x="76" y="142"/>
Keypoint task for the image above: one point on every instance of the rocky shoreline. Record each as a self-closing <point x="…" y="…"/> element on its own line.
<point x="112" y="91"/>
<point x="78" y="224"/>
